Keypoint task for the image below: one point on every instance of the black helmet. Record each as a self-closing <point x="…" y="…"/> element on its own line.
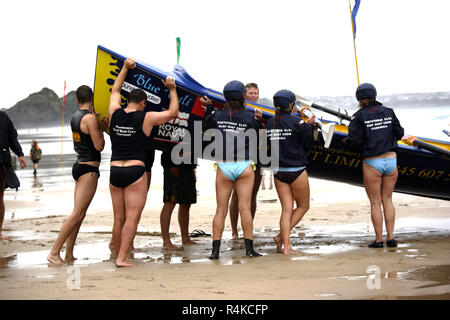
<point x="234" y="90"/>
<point x="283" y="98"/>
<point x="366" y="91"/>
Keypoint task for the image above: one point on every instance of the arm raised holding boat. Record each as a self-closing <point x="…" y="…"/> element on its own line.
<point x="158" y="118"/>
<point x="115" y="99"/>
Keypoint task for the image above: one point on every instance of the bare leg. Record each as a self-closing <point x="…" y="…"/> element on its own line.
<point x="287" y="204"/>
<point x="2" y="203"/>
<point x="70" y="244"/>
<point x="224" y="187"/>
<point x="372" y="184"/>
<point x="85" y="189"/>
<point x="183" y="221"/>
<point x="135" y="196"/>
<point x="118" y="203"/>
<point x="244" y="187"/>
<point x="299" y="191"/>
<point x="234" y="215"/>
<point x="256" y="185"/>
<point x="166" y="214"/>
<point x="387" y="188"/>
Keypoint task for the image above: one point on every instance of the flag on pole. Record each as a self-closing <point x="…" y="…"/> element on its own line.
<point x="178" y="49"/>
<point x="354" y="13"/>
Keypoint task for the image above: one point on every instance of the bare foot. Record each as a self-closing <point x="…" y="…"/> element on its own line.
<point x="189" y="242"/>
<point x="70" y="259"/>
<point x="2" y="237"/>
<point x="289" y="251"/>
<point x="124" y="263"/>
<point x="55" y="259"/>
<point x="235" y="236"/>
<point x="278" y="243"/>
<point x="171" y="247"/>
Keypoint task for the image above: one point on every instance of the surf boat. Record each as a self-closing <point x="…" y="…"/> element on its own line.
<point x="423" y="164"/>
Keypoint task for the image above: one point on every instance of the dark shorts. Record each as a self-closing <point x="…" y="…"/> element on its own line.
<point x="122" y="177"/>
<point x="149" y="159"/>
<point x="80" y="169"/>
<point x="288" y="176"/>
<point x="36" y="161"/>
<point x="179" y="184"/>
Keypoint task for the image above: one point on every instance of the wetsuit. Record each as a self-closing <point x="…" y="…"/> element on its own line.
<point x="84" y="147"/>
<point x="128" y="142"/>
<point x="295" y="138"/>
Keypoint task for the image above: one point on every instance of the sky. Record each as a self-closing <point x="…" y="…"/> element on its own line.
<point x="302" y="45"/>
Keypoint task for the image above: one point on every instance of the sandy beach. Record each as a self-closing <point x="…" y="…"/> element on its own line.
<point x="333" y="261"/>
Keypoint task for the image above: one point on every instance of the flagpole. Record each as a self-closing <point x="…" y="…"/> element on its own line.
<point x="354" y="42"/>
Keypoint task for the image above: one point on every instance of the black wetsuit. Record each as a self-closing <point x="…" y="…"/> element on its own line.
<point x="84" y="147"/>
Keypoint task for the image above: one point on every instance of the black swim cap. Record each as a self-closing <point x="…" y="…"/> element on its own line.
<point x="283" y="98"/>
<point x="366" y="91"/>
<point x="234" y="90"/>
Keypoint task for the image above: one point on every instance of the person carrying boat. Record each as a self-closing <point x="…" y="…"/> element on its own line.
<point x="374" y="129"/>
<point x="251" y="94"/>
<point x="235" y="168"/>
<point x="8" y="140"/>
<point x="295" y="138"/>
<point x="179" y="188"/>
<point x="129" y="129"/>
<point x="88" y="142"/>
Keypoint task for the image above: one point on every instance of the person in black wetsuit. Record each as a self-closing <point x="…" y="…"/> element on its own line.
<point x="374" y="130"/>
<point x="295" y="137"/>
<point x="129" y="129"/>
<point x="88" y="142"/>
<point x="8" y="140"/>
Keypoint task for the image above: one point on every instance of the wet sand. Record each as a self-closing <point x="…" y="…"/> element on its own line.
<point x="333" y="261"/>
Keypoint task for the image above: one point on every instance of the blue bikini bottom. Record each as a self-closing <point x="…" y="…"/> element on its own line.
<point x="233" y="170"/>
<point x="383" y="165"/>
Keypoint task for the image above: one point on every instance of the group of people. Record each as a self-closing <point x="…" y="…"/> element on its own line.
<point x="237" y="178"/>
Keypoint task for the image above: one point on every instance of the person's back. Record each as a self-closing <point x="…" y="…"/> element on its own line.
<point x="294" y="137"/>
<point x="36" y="152"/>
<point x="375" y="129"/>
<point x="82" y="142"/>
<point x="239" y="130"/>
<point x="88" y="142"/>
<point x="380" y="128"/>
<point x="127" y="138"/>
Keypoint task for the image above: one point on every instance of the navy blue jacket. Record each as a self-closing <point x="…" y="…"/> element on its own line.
<point x="295" y="139"/>
<point x="374" y="130"/>
<point x="8" y="140"/>
<point x="236" y="128"/>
